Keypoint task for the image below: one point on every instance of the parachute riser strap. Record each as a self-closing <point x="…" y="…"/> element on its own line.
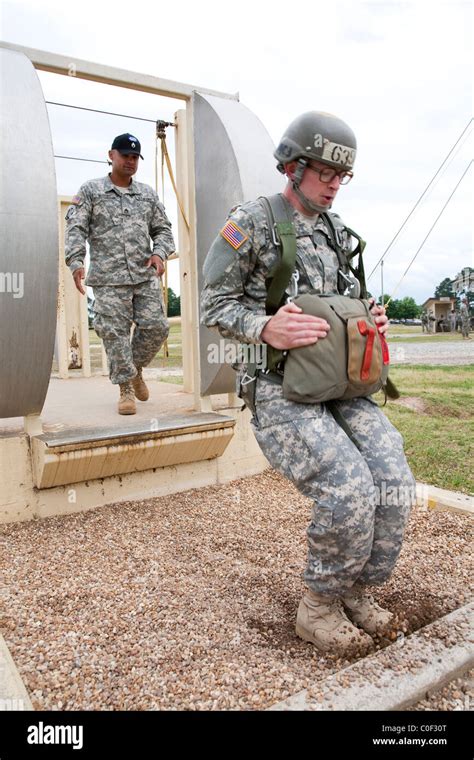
<point x="345" y="258"/>
<point x="282" y="276"/>
<point x="283" y="235"/>
<point x="341" y="254"/>
<point x="359" y="272"/>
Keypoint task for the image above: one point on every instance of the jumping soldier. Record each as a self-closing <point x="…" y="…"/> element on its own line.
<point x="345" y="456"/>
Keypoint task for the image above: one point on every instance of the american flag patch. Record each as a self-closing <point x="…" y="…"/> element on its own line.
<point x="76" y="200"/>
<point x="233" y="235"/>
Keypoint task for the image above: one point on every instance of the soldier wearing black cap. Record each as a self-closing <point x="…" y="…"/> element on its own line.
<point x="127" y="145"/>
<point x="117" y="216"/>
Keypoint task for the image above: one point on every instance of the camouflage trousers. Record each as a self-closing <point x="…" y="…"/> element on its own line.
<point x="361" y="498"/>
<point x="116" y="308"/>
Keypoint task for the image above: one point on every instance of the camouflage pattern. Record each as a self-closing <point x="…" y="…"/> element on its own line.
<point x="362" y="498"/>
<point x="118" y="227"/>
<point x="234" y="293"/>
<point x="465" y="319"/>
<point x="115" y="309"/>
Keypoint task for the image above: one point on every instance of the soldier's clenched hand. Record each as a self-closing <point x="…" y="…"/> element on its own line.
<point x="79" y="275"/>
<point x="381" y="318"/>
<point x="156" y="262"/>
<point x="290" y="328"/>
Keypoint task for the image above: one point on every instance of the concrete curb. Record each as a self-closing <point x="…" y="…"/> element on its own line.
<point x="13" y="694"/>
<point x="400" y="675"/>
<point x="441" y="500"/>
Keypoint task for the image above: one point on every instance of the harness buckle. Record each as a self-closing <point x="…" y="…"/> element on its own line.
<point x="275" y="239"/>
<point x="247" y="379"/>
<point x="353" y="286"/>
<point x="293" y="286"/>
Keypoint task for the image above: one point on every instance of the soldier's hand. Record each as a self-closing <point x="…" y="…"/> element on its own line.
<point x="381" y="318"/>
<point x="290" y="328"/>
<point x="78" y="276"/>
<point x="156" y="262"/>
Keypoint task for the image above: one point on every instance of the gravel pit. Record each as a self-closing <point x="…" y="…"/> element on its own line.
<point x="188" y="601"/>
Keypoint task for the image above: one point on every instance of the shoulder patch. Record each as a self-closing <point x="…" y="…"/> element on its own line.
<point x="234" y="235"/>
<point x="76" y="200"/>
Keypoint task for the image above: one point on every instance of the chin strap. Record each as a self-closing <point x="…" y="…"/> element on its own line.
<point x="296" y="181"/>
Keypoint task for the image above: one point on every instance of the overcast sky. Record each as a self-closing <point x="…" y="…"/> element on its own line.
<point x="398" y="72"/>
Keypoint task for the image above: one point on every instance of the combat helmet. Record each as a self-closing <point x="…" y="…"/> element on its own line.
<point x="319" y="136"/>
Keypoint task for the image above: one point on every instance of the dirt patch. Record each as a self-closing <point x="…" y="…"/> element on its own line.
<point x="415" y="403"/>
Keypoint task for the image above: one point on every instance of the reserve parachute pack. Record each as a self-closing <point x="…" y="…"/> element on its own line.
<point x="353" y="359"/>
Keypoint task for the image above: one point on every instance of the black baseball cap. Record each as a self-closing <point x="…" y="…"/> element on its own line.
<point x="127" y="145"/>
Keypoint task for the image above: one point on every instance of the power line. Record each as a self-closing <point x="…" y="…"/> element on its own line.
<point x="74" y="158"/>
<point x="430" y="230"/>
<point x="419" y="199"/>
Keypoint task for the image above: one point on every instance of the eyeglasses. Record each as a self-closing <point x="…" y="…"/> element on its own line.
<point x="327" y="174"/>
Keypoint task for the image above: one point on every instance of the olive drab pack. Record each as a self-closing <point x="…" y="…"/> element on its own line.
<point x="353" y="359"/>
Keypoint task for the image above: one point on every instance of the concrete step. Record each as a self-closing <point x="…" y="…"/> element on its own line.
<point x="87" y="453"/>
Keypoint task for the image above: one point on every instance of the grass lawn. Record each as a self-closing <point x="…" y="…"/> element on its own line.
<point x="437" y="440"/>
<point x="438" y="338"/>
<point x="406" y="329"/>
<point x="173" y="359"/>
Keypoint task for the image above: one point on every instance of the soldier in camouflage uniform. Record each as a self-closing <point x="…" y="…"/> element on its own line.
<point x="118" y="216"/>
<point x="361" y="496"/>
<point x="465" y="319"/>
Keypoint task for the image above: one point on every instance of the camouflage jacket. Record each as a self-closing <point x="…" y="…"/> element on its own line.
<point x="118" y="227"/>
<point x="234" y="293"/>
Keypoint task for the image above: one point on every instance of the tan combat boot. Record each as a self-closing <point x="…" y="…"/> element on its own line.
<point x="322" y="621"/>
<point x="126" y="403"/>
<point x="141" y="391"/>
<point x="364" y="611"/>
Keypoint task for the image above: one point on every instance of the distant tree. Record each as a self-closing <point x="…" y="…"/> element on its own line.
<point x="408" y="308"/>
<point x="393" y="309"/>
<point x="445" y="288"/>
<point x="174" y="304"/>
<point x="404" y="308"/>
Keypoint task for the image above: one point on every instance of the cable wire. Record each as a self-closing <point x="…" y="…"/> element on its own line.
<point x="73" y="158"/>
<point x="429" y="232"/>
<point x="108" y="113"/>
<point x="419" y="199"/>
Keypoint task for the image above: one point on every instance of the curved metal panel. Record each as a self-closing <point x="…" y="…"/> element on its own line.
<point x="234" y="163"/>
<point x="28" y="240"/>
